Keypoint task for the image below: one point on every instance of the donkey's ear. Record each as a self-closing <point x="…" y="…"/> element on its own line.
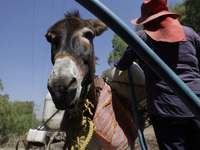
<point x="98" y="26"/>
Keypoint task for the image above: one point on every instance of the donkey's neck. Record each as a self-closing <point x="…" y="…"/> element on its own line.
<point x="95" y="90"/>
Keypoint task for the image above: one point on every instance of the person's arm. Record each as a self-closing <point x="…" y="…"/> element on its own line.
<point x="126" y="60"/>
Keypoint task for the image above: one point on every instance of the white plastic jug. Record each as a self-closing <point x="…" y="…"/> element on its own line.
<point x="120" y="82"/>
<point x="35" y="135"/>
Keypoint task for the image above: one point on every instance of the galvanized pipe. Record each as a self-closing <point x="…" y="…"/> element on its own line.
<point x="136" y="112"/>
<point x="150" y="58"/>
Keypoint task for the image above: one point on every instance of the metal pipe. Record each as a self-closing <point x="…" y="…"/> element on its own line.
<point x="135" y="111"/>
<point x="141" y="48"/>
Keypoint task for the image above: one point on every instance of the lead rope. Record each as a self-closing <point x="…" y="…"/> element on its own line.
<point x="86" y="120"/>
<point x="76" y="134"/>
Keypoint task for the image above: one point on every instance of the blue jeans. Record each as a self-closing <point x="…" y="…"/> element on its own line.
<point x="176" y="133"/>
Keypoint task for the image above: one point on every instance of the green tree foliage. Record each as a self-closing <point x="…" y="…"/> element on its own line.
<point x="1" y="85"/>
<point x="15" y="117"/>
<point x="5" y="111"/>
<point x="23" y="117"/>
<point x="106" y="73"/>
<point x="138" y="27"/>
<point x="119" y="47"/>
<point x="190" y="13"/>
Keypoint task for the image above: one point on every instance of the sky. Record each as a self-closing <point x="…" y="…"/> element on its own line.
<point x="25" y="63"/>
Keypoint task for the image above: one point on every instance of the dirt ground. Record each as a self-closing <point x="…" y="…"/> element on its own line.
<point x="150" y="140"/>
<point x="148" y="135"/>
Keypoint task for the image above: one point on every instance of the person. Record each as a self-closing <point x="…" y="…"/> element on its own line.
<point x="175" y="126"/>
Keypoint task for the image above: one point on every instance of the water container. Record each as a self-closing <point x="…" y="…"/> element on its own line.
<point x="35" y="135"/>
<point x="120" y="82"/>
<point x="49" y="109"/>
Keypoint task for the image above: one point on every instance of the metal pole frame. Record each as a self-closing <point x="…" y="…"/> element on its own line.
<point x="136" y="112"/>
<point x="143" y="50"/>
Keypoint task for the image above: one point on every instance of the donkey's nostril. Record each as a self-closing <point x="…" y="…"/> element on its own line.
<point x="72" y="83"/>
<point x="56" y="87"/>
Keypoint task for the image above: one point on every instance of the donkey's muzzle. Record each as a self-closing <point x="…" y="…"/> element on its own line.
<point x="64" y="83"/>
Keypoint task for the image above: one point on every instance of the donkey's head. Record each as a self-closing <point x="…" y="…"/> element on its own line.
<point x="72" y="55"/>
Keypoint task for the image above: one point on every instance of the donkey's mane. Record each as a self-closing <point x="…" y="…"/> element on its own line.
<point x="74" y="13"/>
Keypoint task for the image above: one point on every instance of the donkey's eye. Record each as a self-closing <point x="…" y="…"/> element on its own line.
<point x="89" y="35"/>
<point x="50" y="37"/>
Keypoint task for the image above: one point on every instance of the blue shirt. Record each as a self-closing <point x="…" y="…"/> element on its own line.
<point x="183" y="58"/>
